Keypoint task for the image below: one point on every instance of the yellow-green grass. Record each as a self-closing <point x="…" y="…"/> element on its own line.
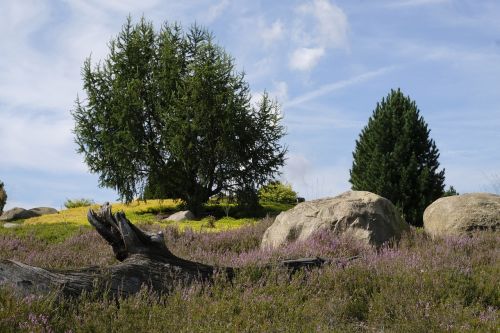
<point x="225" y="223"/>
<point x="55" y="228"/>
<point x="136" y="211"/>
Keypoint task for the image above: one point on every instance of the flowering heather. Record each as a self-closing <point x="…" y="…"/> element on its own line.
<point x="416" y="285"/>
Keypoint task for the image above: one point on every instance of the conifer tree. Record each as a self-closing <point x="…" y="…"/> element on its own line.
<point x="167" y="111"/>
<point x="395" y="157"/>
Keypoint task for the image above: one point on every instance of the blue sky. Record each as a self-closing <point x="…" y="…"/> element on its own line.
<point x="327" y="62"/>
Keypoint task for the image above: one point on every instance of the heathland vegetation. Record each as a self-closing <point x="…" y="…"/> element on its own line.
<point x="420" y="285"/>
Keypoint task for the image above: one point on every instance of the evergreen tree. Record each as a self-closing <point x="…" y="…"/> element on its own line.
<point x="395" y="158"/>
<point x="166" y="114"/>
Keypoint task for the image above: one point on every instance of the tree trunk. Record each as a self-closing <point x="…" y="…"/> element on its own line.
<point x="144" y="261"/>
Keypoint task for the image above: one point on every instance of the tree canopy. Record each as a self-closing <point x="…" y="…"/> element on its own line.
<point x="395" y="157"/>
<point x="167" y="112"/>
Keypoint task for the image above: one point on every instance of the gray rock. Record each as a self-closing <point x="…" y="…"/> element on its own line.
<point x="44" y="210"/>
<point x="462" y="214"/>
<point x="362" y="215"/>
<point x="17" y="213"/>
<point x="181" y="216"/>
<point x="10" y="225"/>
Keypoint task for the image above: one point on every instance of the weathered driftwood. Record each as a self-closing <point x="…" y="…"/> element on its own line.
<point x="144" y="259"/>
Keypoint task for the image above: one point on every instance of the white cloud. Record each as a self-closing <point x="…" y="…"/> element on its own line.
<point x="307" y="122"/>
<point x="123" y="6"/>
<point x="328" y="88"/>
<point x="216" y="10"/>
<point x="319" y="26"/>
<point x="313" y="183"/>
<point x="415" y="3"/>
<point x="280" y="91"/>
<point x="296" y="169"/>
<point x="38" y="143"/>
<point x="331" y="24"/>
<point x="304" y="59"/>
<point x="272" y="33"/>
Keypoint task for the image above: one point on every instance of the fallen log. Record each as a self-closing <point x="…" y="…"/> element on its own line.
<point x="145" y="261"/>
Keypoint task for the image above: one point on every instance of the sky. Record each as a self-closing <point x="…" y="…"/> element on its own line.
<point x="327" y="63"/>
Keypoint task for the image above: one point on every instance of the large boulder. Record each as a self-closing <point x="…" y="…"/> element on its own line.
<point x="181" y="216"/>
<point x="17" y="213"/>
<point x="362" y="215"/>
<point x="3" y="198"/>
<point x="462" y="214"/>
<point x="44" y="210"/>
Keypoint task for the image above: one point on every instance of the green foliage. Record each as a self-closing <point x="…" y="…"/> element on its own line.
<point x="395" y="158"/>
<point x="450" y="191"/>
<point x="167" y="115"/>
<point x="3" y="197"/>
<point x="74" y="203"/>
<point x="50" y="233"/>
<point x="247" y="199"/>
<point x="278" y="192"/>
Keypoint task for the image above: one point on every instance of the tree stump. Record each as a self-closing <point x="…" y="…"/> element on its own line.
<point x="145" y="261"/>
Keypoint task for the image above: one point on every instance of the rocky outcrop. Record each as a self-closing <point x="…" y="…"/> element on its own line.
<point x="10" y="225"/>
<point x="181" y="216"/>
<point x="17" y="213"/>
<point x="462" y="214"/>
<point x="362" y="215"/>
<point x="3" y="198"/>
<point x="44" y="210"/>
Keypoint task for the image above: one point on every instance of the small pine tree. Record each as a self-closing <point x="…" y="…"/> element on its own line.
<point x="3" y="197"/>
<point x="395" y="158"/>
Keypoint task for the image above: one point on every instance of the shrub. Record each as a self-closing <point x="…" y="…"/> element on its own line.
<point x="277" y="192"/>
<point x="78" y="203"/>
<point x="450" y="192"/>
<point x="3" y="198"/>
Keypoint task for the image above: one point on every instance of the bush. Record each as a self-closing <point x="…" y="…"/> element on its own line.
<point x="450" y="192"/>
<point x="3" y="198"/>
<point x="78" y="203"/>
<point x="277" y="192"/>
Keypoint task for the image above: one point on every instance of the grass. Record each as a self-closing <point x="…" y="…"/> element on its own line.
<point x="421" y="285"/>
<point x="55" y="228"/>
<point x="136" y="211"/>
<point x="418" y="285"/>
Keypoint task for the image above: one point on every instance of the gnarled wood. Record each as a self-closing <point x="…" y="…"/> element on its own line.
<point x="144" y="259"/>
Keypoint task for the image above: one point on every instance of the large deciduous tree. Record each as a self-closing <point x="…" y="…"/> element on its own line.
<point x="395" y="157"/>
<point x="167" y="112"/>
